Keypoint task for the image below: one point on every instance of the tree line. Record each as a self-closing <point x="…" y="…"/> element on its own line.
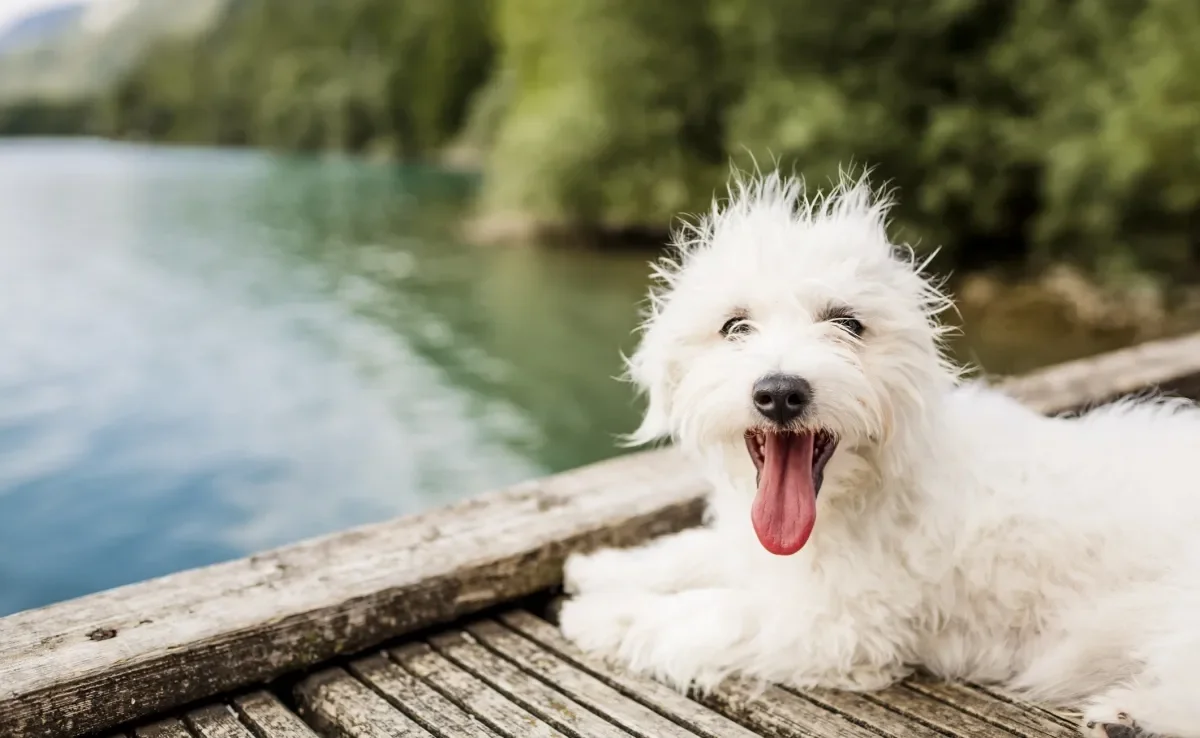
<point x="1015" y="131"/>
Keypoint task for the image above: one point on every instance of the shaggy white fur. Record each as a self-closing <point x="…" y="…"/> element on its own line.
<point x="955" y="529"/>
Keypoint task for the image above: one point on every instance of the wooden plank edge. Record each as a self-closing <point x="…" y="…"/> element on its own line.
<point x="217" y="721"/>
<point x="169" y="728"/>
<point x="126" y="654"/>
<point x="1171" y="365"/>
<point x="267" y="717"/>
<point x="335" y="703"/>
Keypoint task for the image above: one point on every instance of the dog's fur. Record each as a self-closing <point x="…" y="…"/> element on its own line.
<point x="955" y="530"/>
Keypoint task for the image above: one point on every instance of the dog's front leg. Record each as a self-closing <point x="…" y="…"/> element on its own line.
<point x="698" y="637"/>
<point x="687" y="560"/>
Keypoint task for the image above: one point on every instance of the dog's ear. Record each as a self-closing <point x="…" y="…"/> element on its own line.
<point x="647" y="369"/>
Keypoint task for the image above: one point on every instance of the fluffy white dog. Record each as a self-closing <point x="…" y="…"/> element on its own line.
<point x="869" y="512"/>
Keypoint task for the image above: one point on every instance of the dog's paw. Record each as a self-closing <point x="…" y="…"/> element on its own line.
<point x="600" y="623"/>
<point x="685" y="640"/>
<point x="1099" y="722"/>
<point x="606" y="570"/>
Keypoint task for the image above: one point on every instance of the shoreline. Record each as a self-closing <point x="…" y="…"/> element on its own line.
<point x="1141" y="305"/>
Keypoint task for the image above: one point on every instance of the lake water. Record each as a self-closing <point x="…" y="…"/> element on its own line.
<point x="207" y="353"/>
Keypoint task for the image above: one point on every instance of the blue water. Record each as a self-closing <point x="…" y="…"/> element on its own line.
<point x="204" y="354"/>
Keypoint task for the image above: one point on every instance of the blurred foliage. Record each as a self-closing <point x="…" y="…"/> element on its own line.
<point x="1112" y="100"/>
<point x="613" y="118"/>
<point x="44" y="118"/>
<point x="1025" y="131"/>
<point x="1021" y="131"/>
<point x="388" y="77"/>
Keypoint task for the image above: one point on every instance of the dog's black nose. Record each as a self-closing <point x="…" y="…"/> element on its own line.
<point x="782" y="397"/>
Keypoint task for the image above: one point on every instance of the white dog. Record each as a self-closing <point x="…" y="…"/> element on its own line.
<point x="870" y="514"/>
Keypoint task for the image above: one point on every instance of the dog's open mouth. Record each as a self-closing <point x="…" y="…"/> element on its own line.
<point x="791" y="467"/>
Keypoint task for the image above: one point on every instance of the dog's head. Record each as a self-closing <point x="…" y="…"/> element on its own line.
<point x="794" y="329"/>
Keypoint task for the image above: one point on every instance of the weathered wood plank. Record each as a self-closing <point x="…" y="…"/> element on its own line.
<point x="1172" y="365"/>
<point x="473" y="694"/>
<point x="935" y="714"/>
<point x="545" y="687"/>
<point x="773" y="711"/>
<point x="854" y="707"/>
<point x="217" y="721"/>
<point x="860" y="710"/>
<point x="267" y="717"/>
<point x="666" y="701"/>
<point x="418" y="700"/>
<point x="164" y="729"/>
<point x="1064" y="717"/>
<point x="199" y="633"/>
<point x="337" y="704"/>
<point x="1027" y="721"/>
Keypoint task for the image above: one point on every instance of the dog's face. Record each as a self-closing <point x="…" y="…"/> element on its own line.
<point x="792" y="328"/>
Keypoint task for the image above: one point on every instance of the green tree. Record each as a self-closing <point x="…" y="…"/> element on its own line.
<point x="350" y="75"/>
<point x="612" y="119"/>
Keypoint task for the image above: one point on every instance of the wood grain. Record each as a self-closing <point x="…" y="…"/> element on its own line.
<point x="773" y="711"/>
<point x="435" y="712"/>
<point x="497" y="710"/>
<point x="936" y="715"/>
<point x="217" y="721"/>
<point x="1027" y="721"/>
<point x="1065" y="718"/>
<point x="130" y="653"/>
<point x="165" y="729"/>
<point x="267" y="717"/>
<point x="860" y="710"/>
<point x="577" y="684"/>
<point x="525" y="633"/>
<point x="555" y="703"/>
<point x="337" y="704"/>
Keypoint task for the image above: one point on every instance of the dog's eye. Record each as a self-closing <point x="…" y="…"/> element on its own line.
<point x="850" y="324"/>
<point x="735" y="327"/>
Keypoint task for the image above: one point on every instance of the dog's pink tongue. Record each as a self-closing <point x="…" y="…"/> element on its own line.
<point x="785" y="507"/>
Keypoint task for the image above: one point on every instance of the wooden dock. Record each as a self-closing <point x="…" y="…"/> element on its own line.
<point x="434" y="625"/>
<point x="513" y="675"/>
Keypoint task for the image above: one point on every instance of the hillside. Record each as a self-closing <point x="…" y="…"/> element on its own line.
<point x="74" y="50"/>
<point x="41" y="26"/>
